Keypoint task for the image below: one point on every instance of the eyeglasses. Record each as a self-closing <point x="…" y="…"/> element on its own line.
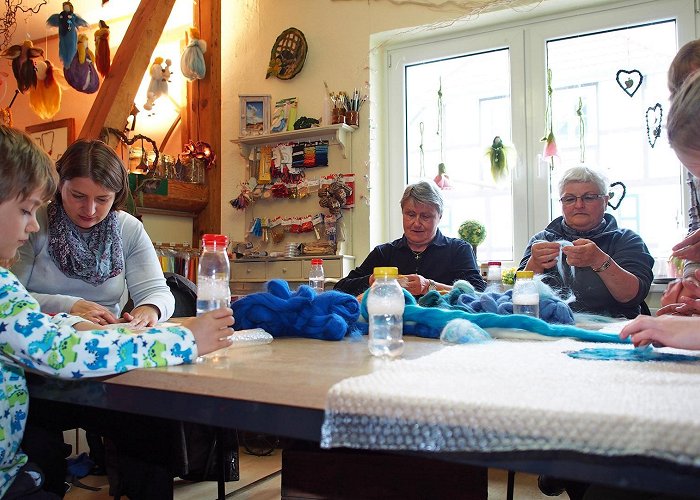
<point x="570" y="199"/>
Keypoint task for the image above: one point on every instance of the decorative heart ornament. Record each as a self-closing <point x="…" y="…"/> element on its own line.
<point x="612" y="194"/>
<point x="629" y="81"/>
<point x="654" y="115"/>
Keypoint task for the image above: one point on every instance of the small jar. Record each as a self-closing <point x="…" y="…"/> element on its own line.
<point x="337" y="115"/>
<point x="494" y="279"/>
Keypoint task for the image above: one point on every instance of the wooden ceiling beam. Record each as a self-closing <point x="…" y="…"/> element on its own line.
<point x="116" y="95"/>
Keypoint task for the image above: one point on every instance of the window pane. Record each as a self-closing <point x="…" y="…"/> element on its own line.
<point x="476" y="107"/>
<point x="615" y="124"/>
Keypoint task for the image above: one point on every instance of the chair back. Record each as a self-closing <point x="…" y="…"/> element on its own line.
<point x="185" y="293"/>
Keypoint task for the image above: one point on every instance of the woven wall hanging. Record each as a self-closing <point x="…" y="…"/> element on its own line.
<point x="287" y="55"/>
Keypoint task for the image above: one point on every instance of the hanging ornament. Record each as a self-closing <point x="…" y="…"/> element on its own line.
<point x="6" y="114"/>
<point x="654" y="115"/>
<point x="629" y="81"/>
<point x="67" y="23"/>
<point x="287" y="55"/>
<point x="243" y="200"/>
<point x="23" y="66"/>
<point x="45" y="98"/>
<point x="81" y="74"/>
<point x="441" y="179"/>
<point x="498" y="157"/>
<point x="550" y="145"/>
<point x="421" y="129"/>
<point x="192" y="62"/>
<point x="581" y="132"/>
<point x="611" y="194"/>
<point x="160" y="76"/>
<point x="103" y="58"/>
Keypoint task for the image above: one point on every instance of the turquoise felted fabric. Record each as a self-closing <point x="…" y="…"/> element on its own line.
<point x="429" y="321"/>
<point x="283" y="313"/>
<point x="462" y="331"/>
<point x="640" y="354"/>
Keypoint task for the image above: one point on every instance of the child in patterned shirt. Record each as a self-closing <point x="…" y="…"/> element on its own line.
<point x="51" y="345"/>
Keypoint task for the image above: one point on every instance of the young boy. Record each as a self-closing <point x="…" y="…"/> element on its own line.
<point x="51" y="345"/>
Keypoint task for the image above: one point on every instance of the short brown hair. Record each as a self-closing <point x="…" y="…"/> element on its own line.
<point x="24" y="167"/>
<point x="98" y="162"/>
<point x="686" y="61"/>
<point x="683" y="125"/>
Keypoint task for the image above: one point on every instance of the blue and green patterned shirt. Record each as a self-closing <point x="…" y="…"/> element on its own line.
<point x="50" y="345"/>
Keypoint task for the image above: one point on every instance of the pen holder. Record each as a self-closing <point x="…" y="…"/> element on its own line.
<point x="352" y="118"/>
<point x="337" y="116"/>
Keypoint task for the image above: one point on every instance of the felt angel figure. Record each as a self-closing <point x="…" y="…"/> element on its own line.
<point x="67" y="23"/>
<point x="192" y="61"/>
<point x="497" y="154"/>
<point x="102" y="54"/>
<point x="81" y="74"/>
<point x="160" y="76"/>
<point x="23" y="66"/>
<point x="45" y="98"/>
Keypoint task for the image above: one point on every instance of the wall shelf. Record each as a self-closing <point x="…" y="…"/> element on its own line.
<point x="335" y="134"/>
<point x="183" y="197"/>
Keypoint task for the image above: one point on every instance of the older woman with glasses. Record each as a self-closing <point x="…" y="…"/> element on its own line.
<point x="608" y="269"/>
<point x="426" y="259"/>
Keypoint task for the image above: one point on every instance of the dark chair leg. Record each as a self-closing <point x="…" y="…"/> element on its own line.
<point x="511" y="485"/>
<point x="221" y="480"/>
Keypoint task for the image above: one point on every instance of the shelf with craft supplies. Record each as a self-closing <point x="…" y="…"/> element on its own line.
<point x="336" y="134"/>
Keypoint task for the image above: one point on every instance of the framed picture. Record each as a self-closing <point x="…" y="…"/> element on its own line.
<point x="53" y="137"/>
<point x="255" y="114"/>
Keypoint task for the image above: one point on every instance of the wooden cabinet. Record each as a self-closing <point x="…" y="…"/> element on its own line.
<point x="249" y="275"/>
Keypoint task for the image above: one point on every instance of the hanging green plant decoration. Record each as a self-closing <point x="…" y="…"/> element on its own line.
<point x="498" y="157"/>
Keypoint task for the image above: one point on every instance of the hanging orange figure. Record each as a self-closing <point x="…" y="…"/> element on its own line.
<point x="102" y="54"/>
<point x="45" y="98"/>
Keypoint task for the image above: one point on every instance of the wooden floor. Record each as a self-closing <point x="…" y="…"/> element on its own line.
<point x="261" y="480"/>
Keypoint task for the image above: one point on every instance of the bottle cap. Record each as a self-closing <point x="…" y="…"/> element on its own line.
<point x="494" y="263"/>
<point x="316" y="262"/>
<point x="391" y="272"/>
<point x="524" y="274"/>
<point x="218" y="240"/>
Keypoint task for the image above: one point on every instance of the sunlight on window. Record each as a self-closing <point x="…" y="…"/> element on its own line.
<point x="475" y="108"/>
<point x="615" y="125"/>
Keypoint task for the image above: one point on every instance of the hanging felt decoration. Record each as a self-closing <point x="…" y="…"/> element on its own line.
<point x="81" y="74"/>
<point x="160" y="76"/>
<point x="192" y="62"/>
<point x="442" y="179"/>
<point x="243" y="200"/>
<point x="611" y="194"/>
<point x="67" y="23"/>
<point x="629" y="81"/>
<point x="581" y="131"/>
<point x="45" y="98"/>
<point x="103" y="58"/>
<point x="654" y="115"/>
<point x="23" y="66"/>
<point x="287" y="55"/>
<point x="6" y="113"/>
<point x="498" y="157"/>
<point x="550" y="145"/>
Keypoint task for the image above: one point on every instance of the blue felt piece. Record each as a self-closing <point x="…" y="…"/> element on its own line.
<point x="80" y="466"/>
<point x="639" y="354"/>
<point x="462" y="331"/>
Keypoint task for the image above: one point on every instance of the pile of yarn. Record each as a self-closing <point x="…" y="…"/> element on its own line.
<point x="283" y="313"/>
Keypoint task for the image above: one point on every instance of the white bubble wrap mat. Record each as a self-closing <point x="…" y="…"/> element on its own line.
<point x="514" y="396"/>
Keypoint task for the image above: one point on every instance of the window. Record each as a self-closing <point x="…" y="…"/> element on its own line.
<point x="494" y="83"/>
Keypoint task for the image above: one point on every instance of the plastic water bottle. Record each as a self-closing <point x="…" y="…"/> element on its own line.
<point x="385" y="305"/>
<point x="526" y="296"/>
<point x="494" y="279"/>
<point x="316" y="277"/>
<point x="213" y="274"/>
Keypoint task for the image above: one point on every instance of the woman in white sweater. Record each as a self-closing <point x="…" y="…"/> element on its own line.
<point x="88" y="252"/>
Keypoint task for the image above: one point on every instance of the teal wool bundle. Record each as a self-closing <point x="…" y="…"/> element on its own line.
<point x="283" y="313"/>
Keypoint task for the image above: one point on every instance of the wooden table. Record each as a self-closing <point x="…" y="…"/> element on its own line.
<point x="280" y="389"/>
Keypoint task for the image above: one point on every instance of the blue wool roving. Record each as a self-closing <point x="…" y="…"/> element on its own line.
<point x="429" y="321"/>
<point x="463" y="297"/>
<point x="560" y="262"/>
<point x="462" y="331"/>
<point x="283" y="313"/>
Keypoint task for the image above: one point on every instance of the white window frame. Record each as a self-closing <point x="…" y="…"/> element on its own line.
<point x="526" y="42"/>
